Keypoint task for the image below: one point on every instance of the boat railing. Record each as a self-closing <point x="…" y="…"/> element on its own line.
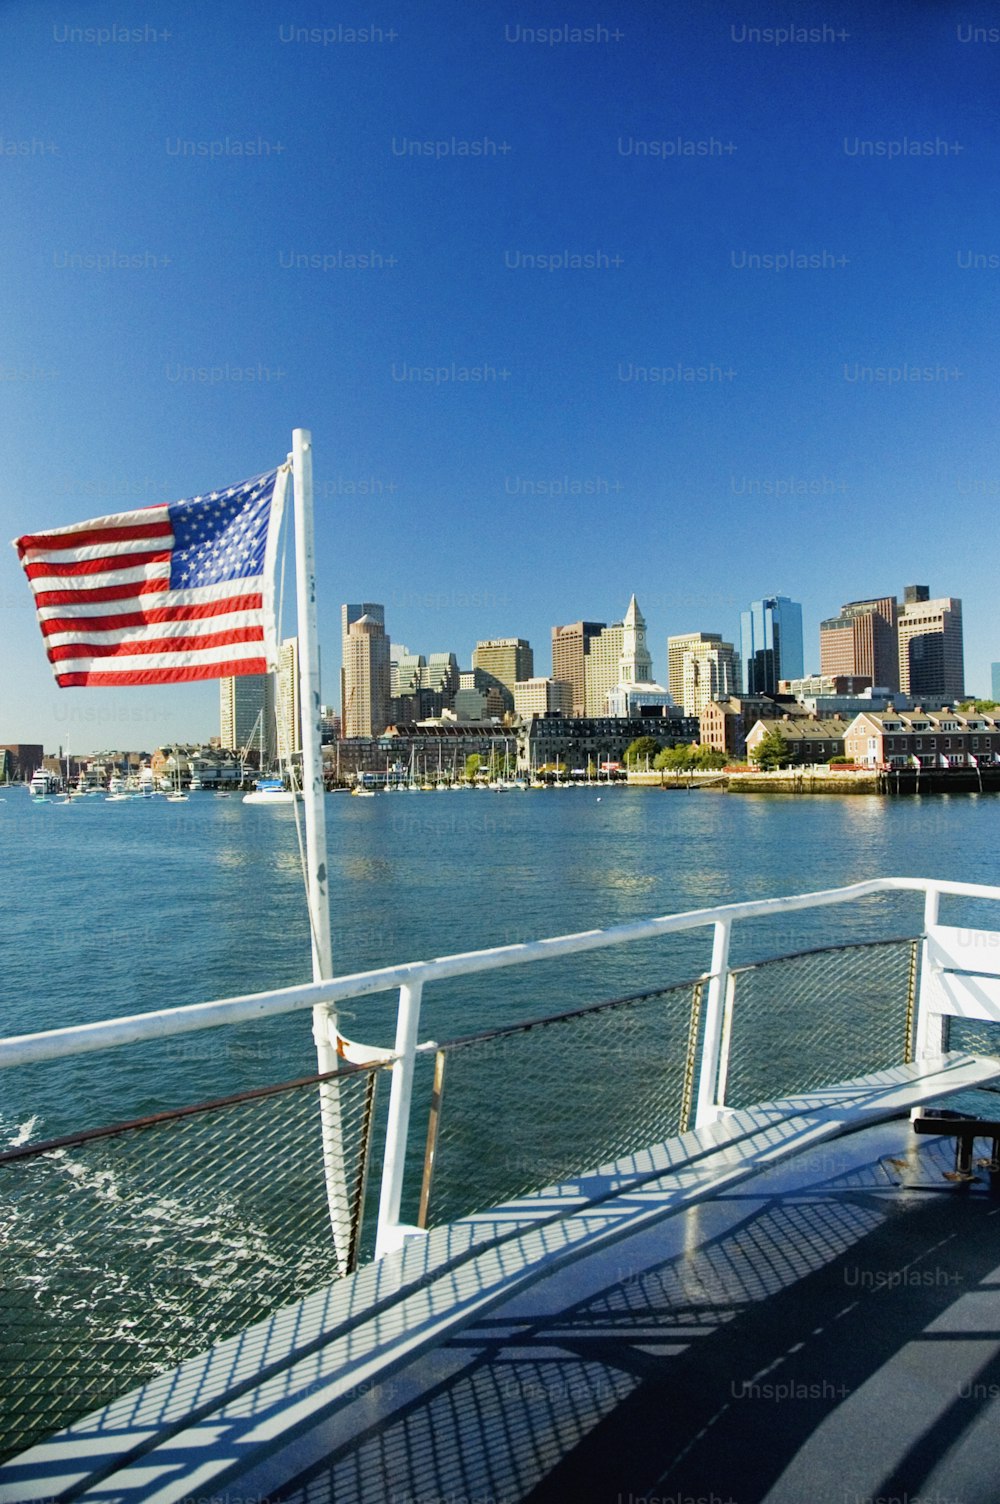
<point x="131" y="1248"/>
<point x="535" y="1104"/>
<point x="504" y="1112"/>
<point x="715" y="1025"/>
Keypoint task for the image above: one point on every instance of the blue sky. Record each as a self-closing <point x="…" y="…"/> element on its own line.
<point x="183" y="200"/>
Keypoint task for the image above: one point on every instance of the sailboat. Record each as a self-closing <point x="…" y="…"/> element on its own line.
<point x="269" y="788"/>
<point x="176" y="796"/>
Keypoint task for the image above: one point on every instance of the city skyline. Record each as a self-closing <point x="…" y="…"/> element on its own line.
<point x="596" y="633"/>
<point x="675" y="311"/>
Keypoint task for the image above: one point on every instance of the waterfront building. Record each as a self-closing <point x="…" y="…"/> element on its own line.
<point x="708" y="673"/>
<point x="810" y="740"/>
<point x="771" y="643"/>
<point x="934" y="739"/>
<point x="863" y="641"/>
<point x="542" y="697"/>
<point x="570" y="651"/>
<point x="366" y="678"/>
<point x="287" y="708"/>
<point x="443" y="745"/>
<point x="724" y="723"/>
<point x="350" y="613"/>
<point x="508" y="659"/>
<point x="677" y="646"/>
<point x="247" y="710"/>
<point x="931" y="652"/>
<point x="576" y="742"/>
<point x="21" y="761"/>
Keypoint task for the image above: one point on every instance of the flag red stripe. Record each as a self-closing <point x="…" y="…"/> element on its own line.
<point x="95" y="536"/>
<point x="100" y="593"/>
<point x="166" y="675"/>
<point x="86" y="649"/>
<point x="151" y="615"/>
<point x="97" y="566"/>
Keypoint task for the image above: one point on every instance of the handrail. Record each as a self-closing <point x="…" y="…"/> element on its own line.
<point x="52" y="1044"/>
<point x="411" y="977"/>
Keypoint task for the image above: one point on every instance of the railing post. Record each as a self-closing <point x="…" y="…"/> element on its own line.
<point x="707" y="1110"/>
<point x="391" y="1233"/>
<point x="931" y="1027"/>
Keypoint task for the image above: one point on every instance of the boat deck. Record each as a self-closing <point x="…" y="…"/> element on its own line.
<point x="800" y="1302"/>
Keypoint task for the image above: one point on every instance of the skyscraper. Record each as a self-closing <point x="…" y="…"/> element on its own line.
<point x="863" y="641"/>
<point x="366" y="678"/>
<point x="241" y="701"/>
<point x="601" y="668"/>
<point x="709" y="674"/>
<point x="348" y="615"/>
<point x="771" y="643"/>
<point x="676" y="648"/>
<point x="570" y="651"/>
<point x="931" y="651"/>
<point x="508" y="659"/>
<point x="288" y="710"/>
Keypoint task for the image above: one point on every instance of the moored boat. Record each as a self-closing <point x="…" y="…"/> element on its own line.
<point x="270" y="791"/>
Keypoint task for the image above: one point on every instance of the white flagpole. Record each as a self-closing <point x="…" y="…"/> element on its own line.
<point x="317" y="874"/>
<point x="309" y="707"/>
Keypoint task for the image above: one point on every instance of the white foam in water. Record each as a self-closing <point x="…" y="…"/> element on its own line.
<point x="24" y="1132"/>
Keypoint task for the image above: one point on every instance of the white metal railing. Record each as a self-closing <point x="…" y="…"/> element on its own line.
<point x="411" y="978"/>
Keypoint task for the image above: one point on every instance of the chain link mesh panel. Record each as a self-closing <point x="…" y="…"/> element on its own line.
<point x="125" y="1251"/>
<point x="801" y="1022"/>
<point x="525" y="1107"/>
<point x="977" y="1036"/>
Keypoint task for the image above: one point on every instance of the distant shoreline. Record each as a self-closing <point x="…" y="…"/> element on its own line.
<point x="824" y="780"/>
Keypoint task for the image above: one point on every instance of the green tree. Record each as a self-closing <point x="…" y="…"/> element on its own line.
<point x="640" y="749"/>
<point x="709" y="758"/>
<point x="472" y="766"/>
<point x="679" y="759"/>
<point x="772" y="751"/>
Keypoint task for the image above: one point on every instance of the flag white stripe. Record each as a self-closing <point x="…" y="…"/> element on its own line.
<point x="136" y="662"/>
<point x="162" y="543"/>
<point x="201" y="596"/>
<point x="204" y="627"/>
<point x="133" y="576"/>
<point x="141" y="516"/>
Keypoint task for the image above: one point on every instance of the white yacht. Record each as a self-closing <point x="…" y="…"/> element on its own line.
<point x="271" y="791"/>
<point x="43" y="784"/>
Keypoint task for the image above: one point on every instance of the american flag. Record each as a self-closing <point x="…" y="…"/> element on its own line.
<point x="162" y="594"/>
